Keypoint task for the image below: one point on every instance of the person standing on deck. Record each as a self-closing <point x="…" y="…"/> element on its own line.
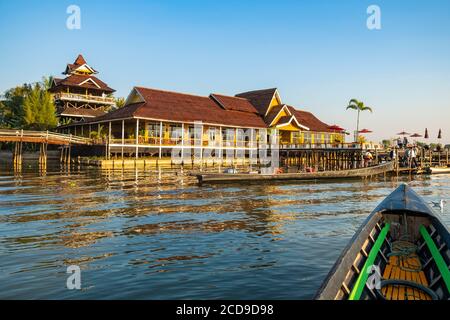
<point x="413" y="155"/>
<point x="407" y="158"/>
<point x="393" y="154"/>
<point x="367" y="159"/>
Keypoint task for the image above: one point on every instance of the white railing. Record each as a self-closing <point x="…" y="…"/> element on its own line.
<point x="44" y="135"/>
<point x="329" y="145"/>
<point x="84" y="98"/>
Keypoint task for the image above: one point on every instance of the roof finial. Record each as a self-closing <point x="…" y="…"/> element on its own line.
<point x="80" y="60"/>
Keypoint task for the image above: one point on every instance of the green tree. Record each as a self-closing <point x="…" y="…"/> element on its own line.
<point x="11" y="108"/>
<point x="386" y="144"/>
<point x="39" y="109"/>
<point x="420" y="144"/>
<point x="28" y="106"/>
<point x="120" y="102"/>
<point x="99" y="134"/>
<point x="358" y="106"/>
<point x="47" y="82"/>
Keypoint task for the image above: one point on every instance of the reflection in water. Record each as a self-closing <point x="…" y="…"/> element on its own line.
<point x="158" y="235"/>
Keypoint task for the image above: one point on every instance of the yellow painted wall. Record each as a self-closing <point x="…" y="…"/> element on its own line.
<point x="166" y="133"/>
<point x="205" y="136"/>
<point x="286" y="136"/>
<point x="145" y="130"/>
<point x="273" y="103"/>
<point x="289" y="127"/>
<point x="277" y="118"/>
<point x="83" y="70"/>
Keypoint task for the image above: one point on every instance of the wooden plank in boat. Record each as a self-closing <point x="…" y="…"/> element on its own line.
<point x="396" y="289"/>
<point x="401" y="294"/>
<point x="423" y="279"/>
<point x="386" y="275"/>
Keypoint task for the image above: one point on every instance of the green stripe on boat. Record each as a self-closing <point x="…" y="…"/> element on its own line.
<point x="363" y="276"/>
<point x="442" y="266"/>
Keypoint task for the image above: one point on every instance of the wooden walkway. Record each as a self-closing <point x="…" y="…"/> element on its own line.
<point x="7" y="135"/>
<point x="43" y="138"/>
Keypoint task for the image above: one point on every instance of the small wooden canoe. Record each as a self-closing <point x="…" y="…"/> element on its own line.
<point x="439" y="170"/>
<point x="406" y="242"/>
<point x="249" y="177"/>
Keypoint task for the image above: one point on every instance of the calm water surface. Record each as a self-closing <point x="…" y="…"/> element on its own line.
<point x="150" y="235"/>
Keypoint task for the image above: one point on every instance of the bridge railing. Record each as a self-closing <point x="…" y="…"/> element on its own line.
<point x="44" y="135"/>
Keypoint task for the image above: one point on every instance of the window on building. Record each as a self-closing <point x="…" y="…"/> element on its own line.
<point x="153" y="130"/>
<point x="307" y="137"/>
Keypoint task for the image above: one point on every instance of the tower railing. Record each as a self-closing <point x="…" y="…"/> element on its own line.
<point x="83" y="98"/>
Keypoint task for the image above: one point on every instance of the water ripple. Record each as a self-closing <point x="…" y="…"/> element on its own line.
<point x="158" y="235"/>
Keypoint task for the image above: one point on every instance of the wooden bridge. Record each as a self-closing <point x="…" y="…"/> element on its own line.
<point x="8" y="135"/>
<point x="43" y="138"/>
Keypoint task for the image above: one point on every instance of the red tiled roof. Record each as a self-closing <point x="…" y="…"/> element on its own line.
<point x="284" y="120"/>
<point x="57" y="81"/>
<point x="79" y="61"/>
<point x="309" y="120"/>
<point x="75" y="80"/>
<point x="215" y="110"/>
<point x="121" y="113"/>
<point x="180" y="107"/>
<point x="234" y="103"/>
<point x="259" y="98"/>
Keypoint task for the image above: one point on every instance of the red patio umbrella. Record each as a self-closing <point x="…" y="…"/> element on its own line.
<point x="403" y="133"/>
<point x="335" y="127"/>
<point x="440" y="134"/>
<point x="426" y="133"/>
<point x="365" y="131"/>
<point x="415" y="135"/>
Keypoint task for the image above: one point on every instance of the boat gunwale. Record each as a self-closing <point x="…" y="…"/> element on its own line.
<point x="339" y="174"/>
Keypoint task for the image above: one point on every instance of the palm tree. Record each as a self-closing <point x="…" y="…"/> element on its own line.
<point x="359" y="106"/>
<point x="47" y="82"/>
<point x="120" y="102"/>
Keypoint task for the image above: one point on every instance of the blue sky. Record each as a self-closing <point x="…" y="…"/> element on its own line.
<point x="319" y="54"/>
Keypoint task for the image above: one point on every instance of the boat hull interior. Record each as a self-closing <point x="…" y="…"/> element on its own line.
<point x="397" y="254"/>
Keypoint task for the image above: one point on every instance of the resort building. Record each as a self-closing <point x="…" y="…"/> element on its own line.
<point x="153" y="121"/>
<point x="80" y="95"/>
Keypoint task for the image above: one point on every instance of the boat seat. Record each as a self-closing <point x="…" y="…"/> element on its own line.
<point x="406" y="268"/>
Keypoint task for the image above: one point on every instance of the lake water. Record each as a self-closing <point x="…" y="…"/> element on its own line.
<point x="149" y="235"/>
